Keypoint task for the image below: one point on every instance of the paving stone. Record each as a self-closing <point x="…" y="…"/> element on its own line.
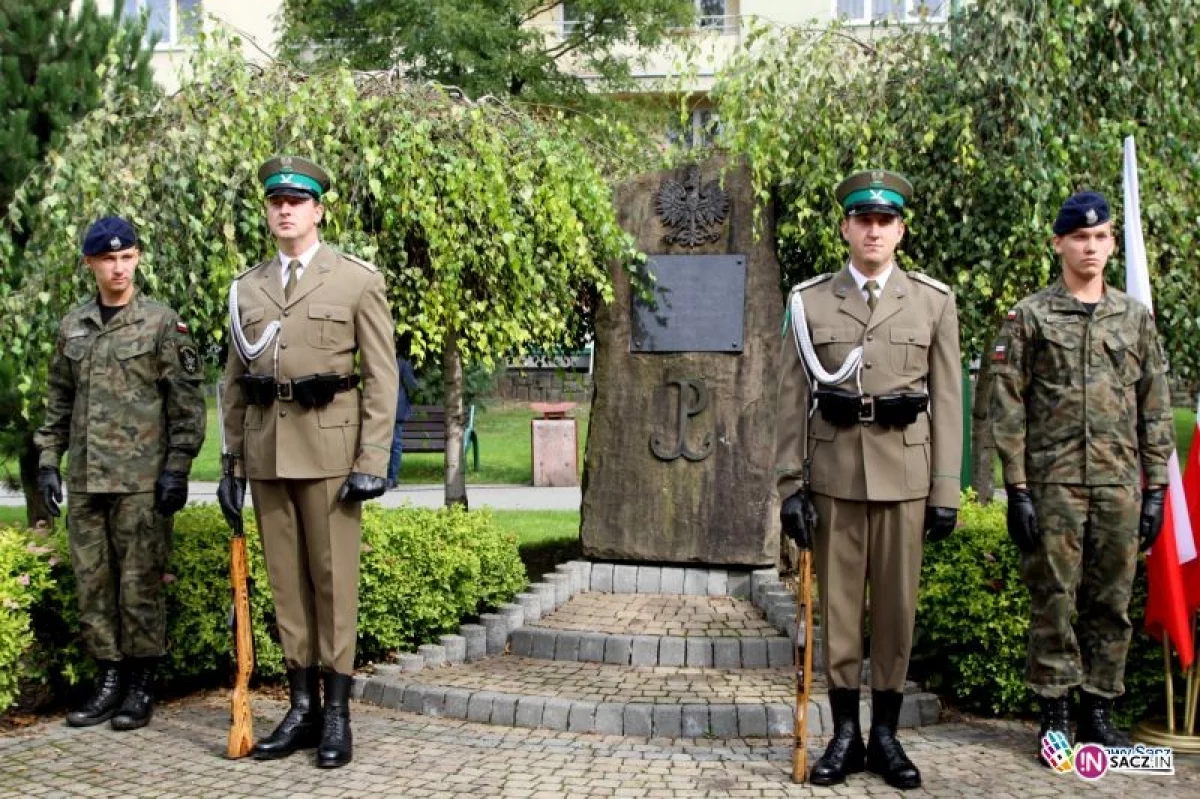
<point x="718" y="582"/>
<point x="752" y="721"/>
<point x="591" y="647"/>
<point x="393" y="694"/>
<point x="618" y="649"/>
<point x="819" y="718"/>
<point x="514" y="615"/>
<point x="667" y="721"/>
<point x="659" y="614"/>
<point x="504" y="710"/>
<point x="434" y="654"/>
<point x="433" y="703"/>
<point x="567" y="646"/>
<point x="556" y="713"/>
<point x="610" y="718"/>
<point x="358" y="686"/>
<point x="754" y="653"/>
<point x="568" y="571"/>
<point x="532" y="604"/>
<point x="672" y="580"/>
<point x="781" y="721"/>
<point x="639" y="719"/>
<point x="388" y="670"/>
<point x="479" y="707"/>
<point x="738" y="584"/>
<point x="454" y="703"/>
<point x="759" y="578"/>
<point x="645" y="650"/>
<point x="456" y="648"/>
<point x="649" y="579"/>
<point x="373" y="691"/>
<point x="529" y="711"/>
<point x="695" y="721"/>
<point x="411" y="663"/>
<point x="582" y="717"/>
<point x="544" y="644"/>
<point x="723" y="721"/>
<point x="672" y="651"/>
<point x="476" y="637"/>
<point x="624" y="579"/>
<point x="547" y="594"/>
<point x="562" y="587"/>
<point x="727" y="653"/>
<point x="496" y="632"/>
<point x="779" y="652"/>
<point x="583" y="574"/>
<point x="414" y="697"/>
<point x="931" y="708"/>
<point x="695" y="582"/>
<point x="699" y="652"/>
<point x="602" y="577"/>
<point x="520" y="642"/>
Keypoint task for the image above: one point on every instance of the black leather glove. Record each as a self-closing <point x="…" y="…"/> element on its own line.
<point x="170" y="493"/>
<point x="798" y="516"/>
<point x="939" y="523"/>
<point x="360" y="487"/>
<point x="231" y="496"/>
<point x="49" y="484"/>
<point x="1022" y="520"/>
<point x="1150" y="525"/>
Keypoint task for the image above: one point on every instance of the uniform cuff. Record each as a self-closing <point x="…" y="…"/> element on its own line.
<point x="1014" y="475"/>
<point x="178" y="461"/>
<point x="1156" y="475"/>
<point x="48" y="459"/>
<point x="946" y="493"/>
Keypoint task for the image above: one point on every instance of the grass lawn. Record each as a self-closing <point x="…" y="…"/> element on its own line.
<point x="546" y="538"/>
<point x="15" y="515"/>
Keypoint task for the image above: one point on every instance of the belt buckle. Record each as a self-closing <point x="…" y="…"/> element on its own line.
<point x="283" y="390"/>
<point x="866" y="411"/>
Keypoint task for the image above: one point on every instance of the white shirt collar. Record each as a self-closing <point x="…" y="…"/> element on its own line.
<point x="304" y="258"/>
<point x="860" y="279"/>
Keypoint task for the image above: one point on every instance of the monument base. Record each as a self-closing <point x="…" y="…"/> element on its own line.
<point x="1156" y="733"/>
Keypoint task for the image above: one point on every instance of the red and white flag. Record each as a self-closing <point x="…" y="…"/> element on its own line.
<point x="1170" y="604"/>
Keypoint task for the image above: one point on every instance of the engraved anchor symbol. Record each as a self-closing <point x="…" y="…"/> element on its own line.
<point x="693" y="398"/>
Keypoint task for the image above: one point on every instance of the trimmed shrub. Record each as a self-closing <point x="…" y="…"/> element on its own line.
<point x="24" y="579"/>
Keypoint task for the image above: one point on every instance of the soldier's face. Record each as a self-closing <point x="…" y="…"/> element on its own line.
<point x="294" y="219"/>
<point x="1086" y="250"/>
<point x="114" y="273"/>
<point x="873" y="239"/>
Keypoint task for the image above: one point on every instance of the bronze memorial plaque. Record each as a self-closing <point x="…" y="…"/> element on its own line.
<point x="698" y="305"/>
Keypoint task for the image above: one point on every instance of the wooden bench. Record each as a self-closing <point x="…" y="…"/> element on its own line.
<point x="425" y="431"/>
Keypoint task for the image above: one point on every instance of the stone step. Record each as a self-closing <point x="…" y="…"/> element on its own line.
<point x="668" y="702"/>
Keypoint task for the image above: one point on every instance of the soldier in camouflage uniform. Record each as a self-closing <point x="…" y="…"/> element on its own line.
<point x="124" y="401"/>
<point x="1081" y="415"/>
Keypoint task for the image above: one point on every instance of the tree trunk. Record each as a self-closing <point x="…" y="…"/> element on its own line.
<point x="35" y="510"/>
<point x="983" y="450"/>
<point x="456" y="477"/>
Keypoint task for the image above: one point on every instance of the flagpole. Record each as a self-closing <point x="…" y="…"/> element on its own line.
<point x="1170" y="686"/>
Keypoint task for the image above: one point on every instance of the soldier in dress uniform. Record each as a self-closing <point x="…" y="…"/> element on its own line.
<point x="1081" y="416"/>
<point x="310" y="425"/>
<point x="124" y="401"/>
<point x="868" y="453"/>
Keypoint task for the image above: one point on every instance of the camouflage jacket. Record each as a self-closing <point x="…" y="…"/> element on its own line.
<point x="1081" y="399"/>
<point x="124" y="398"/>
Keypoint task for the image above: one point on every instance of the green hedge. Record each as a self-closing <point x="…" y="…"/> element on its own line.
<point x="423" y="571"/>
<point x="973" y="624"/>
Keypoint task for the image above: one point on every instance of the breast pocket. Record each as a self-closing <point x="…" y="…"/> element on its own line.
<point x="138" y="362"/>
<point x="909" y="350"/>
<point x="329" y="327"/>
<point x="1123" y="357"/>
<point x="833" y="344"/>
<point x="252" y="320"/>
<point x="1058" y="352"/>
<point x="76" y="350"/>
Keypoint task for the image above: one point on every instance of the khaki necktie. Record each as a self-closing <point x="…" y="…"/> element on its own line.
<point x="872" y="300"/>
<point x="292" y="275"/>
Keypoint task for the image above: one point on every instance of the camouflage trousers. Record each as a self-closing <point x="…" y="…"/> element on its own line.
<point x="1079" y="582"/>
<point x="119" y="549"/>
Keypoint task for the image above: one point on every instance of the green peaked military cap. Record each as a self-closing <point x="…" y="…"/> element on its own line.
<point x="293" y="176"/>
<point x="874" y="191"/>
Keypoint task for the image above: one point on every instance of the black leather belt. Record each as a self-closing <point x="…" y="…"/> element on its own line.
<point x="309" y="391"/>
<point x="846" y="409"/>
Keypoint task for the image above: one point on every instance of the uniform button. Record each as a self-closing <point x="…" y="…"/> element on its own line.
<point x="867" y="365"/>
<point x="327" y="314"/>
<point x="870" y="338"/>
<point x="283" y="413"/>
<point x="285" y="313"/>
<point x="283" y="345"/>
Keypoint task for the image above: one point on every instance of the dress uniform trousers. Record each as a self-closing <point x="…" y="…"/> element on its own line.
<point x="312" y="542"/>
<point x="875" y="544"/>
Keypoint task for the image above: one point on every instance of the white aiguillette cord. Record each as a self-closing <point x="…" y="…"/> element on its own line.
<point x="245" y="350"/>
<point x="814" y="371"/>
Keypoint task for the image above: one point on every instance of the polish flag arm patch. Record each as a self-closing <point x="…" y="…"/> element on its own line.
<point x="180" y="327"/>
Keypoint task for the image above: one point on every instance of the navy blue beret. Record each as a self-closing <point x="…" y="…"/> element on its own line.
<point x="110" y="234"/>
<point x="1084" y="209"/>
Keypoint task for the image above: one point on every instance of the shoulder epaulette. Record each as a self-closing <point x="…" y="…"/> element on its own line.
<point x="370" y="267"/>
<point x="928" y="281"/>
<point x="245" y="272"/>
<point x="812" y="281"/>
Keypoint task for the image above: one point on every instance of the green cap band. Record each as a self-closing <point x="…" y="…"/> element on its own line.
<point x="873" y="196"/>
<point x="293" y="179"/>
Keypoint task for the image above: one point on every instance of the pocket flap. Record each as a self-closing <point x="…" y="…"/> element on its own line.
<point x="1116" y="344"/>
<point x="335" y="313"/>
<point x="344" y="411"/>
<point x="1063" y="337"/>
<point x="910" y="335"/>
<point x="917" y="432"/>
<point x="821" y="430"/>
<point x="834" y="335"/>
<point x="132" y="349"/>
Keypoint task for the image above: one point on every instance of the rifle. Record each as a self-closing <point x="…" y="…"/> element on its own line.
<point x="241" y="729"/>
<point x="803" y="672"/>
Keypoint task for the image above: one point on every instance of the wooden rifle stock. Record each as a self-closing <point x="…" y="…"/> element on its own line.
<point x="241" y="732"/>
<point x="803" y="672"/>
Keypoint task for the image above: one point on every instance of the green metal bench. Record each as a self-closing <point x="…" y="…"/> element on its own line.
<point x="425" y="431"/>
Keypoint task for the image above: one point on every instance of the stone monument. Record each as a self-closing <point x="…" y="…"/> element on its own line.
<point x="680" y="449"/>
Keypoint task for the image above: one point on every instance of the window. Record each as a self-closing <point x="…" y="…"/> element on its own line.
<point x="900" y="10"/>
<point x="701" y="130"/>
<point x="710" y="15"/>
<point x="172" y="22"/>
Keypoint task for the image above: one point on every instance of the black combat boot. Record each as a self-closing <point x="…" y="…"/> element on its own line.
<point x="1095" y="722"/>
<point x="138" y="707"/>
<point x="845" y="753"/>
<point x="337" y="744"/>
<point x="885" y="756"/>
<point x="1055" y="715"/>
<point x="102" y="704"/>
<point x="301" y="726"/>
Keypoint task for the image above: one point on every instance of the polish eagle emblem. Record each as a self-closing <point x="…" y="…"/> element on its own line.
<point x="693" y="211"/>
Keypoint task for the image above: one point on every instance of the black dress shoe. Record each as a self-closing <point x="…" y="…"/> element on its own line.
<point x="337" y="743"/>
<point x="301" y="726"/>
<point x="885" y="755"/>
<point x="1054" y="713"/>
<point x="102" y="704"/>
<point x="138" y="707"/>
<point x="845" y="753"/>
<point x="1095" y="722"/>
